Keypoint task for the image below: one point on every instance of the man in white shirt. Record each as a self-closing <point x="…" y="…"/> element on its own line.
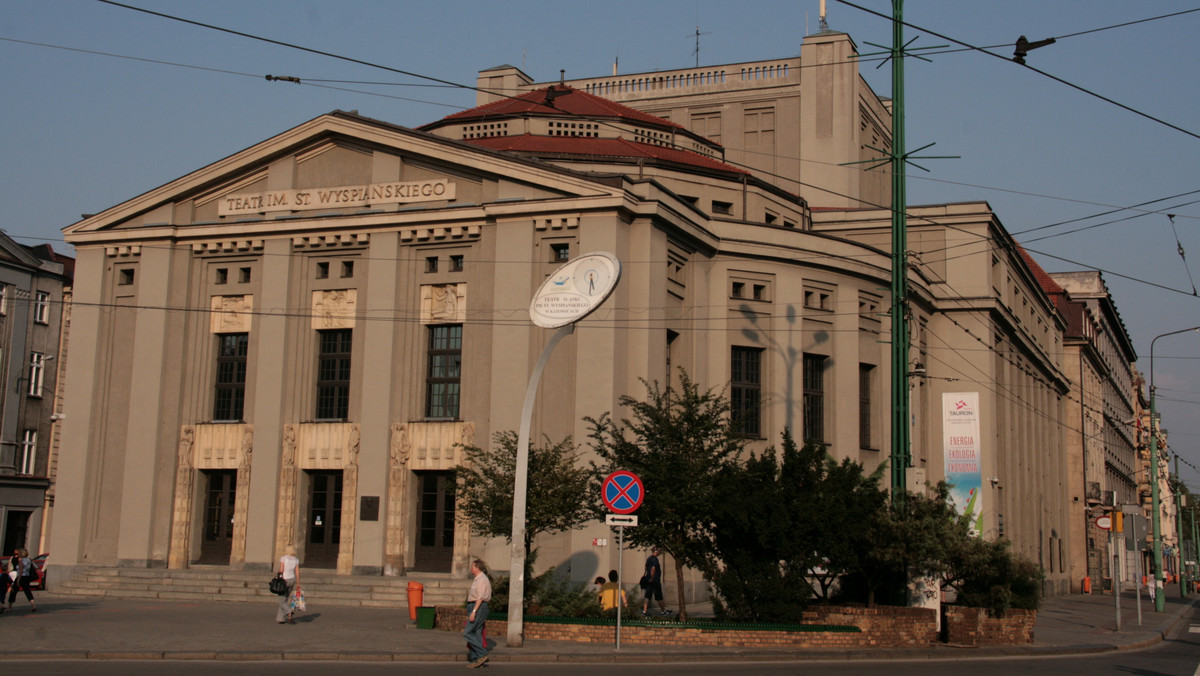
<point x="477" y="612"/>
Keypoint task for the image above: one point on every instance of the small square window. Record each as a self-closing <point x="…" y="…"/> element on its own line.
<point x="222" y="275"/>
<point x="244" y="275"/>
<point x="323" y="270"/>
<point x="456" y="263"/>
<point x="560" y="252"/>
<point x="347" y="268"/>
<point x="738" y="289"/>
<point x="770" y="218"/>
<point x="760" y="292"/>
<point x="431" y="264"/>
<point x="125" y="277"/>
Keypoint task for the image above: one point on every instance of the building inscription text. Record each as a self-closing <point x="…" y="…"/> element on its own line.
<point x="341" y="196"/>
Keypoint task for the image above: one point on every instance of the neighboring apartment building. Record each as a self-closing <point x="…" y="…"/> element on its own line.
<point x="1102" y="420"/>
<point x="287" y="346"/>
<point x="32" y="282"/>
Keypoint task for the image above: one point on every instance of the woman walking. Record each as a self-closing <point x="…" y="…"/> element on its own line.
<point x="289" y="567"/>
<point x="21" y="563"/>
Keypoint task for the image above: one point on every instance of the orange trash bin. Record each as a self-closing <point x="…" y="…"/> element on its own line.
<point x="416" y="594"/>
<point x="1087" y="585"/>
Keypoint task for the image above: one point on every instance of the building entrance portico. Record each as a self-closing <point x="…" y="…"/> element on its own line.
<point x="220" y="500"/>
<point x="324" y="523"/>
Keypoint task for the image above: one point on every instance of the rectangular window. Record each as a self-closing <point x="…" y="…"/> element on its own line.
<point x="725" y="208"/>
<point x="229" y="404"/>
<point x="560" y="253"/>
<point x="333" y="374"/>
<point x="347" y="269"/>
<point x="41" y="307"/>
<point x="37" y="373"/>
<point x="745" y="390"/>
<point x="445" y="371"/>
<point x="322" y="270"/>
<point x="3" y="299"/>
<point x="244" y="275"/>
<point x="222" y="276"/>
<point x="738" y="290"/>
<point x="27" y="455"/>
<point x="431" y="264"/>
<point x="125" y="277"/>
<point x="456" y="263"/>
<point x="864" y="405"/>
<point x="814" y="398"/>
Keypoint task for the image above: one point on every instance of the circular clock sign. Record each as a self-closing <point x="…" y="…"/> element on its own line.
<point x="575" y="290"/>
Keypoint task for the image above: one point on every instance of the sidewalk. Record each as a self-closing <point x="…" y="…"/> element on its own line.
<point x="72" y="627"/>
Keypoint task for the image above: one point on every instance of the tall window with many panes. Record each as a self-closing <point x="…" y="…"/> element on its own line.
<point x="333" y="374"/>
<point x="230" y="400"/>
<point x="745" y="390"/>
<point x="864" y="406"/>
<point x="814" y="398"/>
<point x="444" y="376"/>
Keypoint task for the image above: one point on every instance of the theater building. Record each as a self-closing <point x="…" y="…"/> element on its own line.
<point x="287" y="347"/>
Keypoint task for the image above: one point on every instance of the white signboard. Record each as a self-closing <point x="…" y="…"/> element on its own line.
<point x="336" y="197"/>
<point x="961" y="454"/>
<point x="574" y="290"/>
<point x="629" y="520"/>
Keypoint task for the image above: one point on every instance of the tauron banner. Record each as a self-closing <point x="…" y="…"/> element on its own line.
<point x="963" y="460"/>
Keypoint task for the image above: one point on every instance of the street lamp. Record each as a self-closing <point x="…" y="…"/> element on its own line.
<point x="1160" y="601"/>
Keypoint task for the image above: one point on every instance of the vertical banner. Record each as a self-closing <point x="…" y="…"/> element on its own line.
<point x="960" y="443"/>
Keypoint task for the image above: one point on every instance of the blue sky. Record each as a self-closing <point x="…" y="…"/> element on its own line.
<point x="82" y="131"/>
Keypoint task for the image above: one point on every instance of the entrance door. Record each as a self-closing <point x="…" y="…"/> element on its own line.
<point x="16" y="531"/>
<point x="324" y="519"/>
<point x="220" y="494"/>
<point x="435" y="522"/>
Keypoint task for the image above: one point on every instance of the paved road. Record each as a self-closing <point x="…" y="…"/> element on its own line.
<point x="77" y="635"/>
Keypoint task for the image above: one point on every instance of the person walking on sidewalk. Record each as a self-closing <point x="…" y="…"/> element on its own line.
<point x="653" y="578"/>
<point x="21" y="563"/>
<point x="289" y="568"/>
<point x="477" y="613"/>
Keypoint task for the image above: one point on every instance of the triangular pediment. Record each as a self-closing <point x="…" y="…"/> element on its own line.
<point x="339" y="164"/>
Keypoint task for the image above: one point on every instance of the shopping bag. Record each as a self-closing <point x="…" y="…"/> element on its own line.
<point x="298" y="604"/>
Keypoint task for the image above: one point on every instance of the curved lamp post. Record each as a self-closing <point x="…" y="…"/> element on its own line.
<point x="1160" y="601"/>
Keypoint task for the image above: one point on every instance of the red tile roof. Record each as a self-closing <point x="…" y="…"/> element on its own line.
<point x="599" y="147"/>
<point x="1047" y="283"/>
<point x="556" y="100"/>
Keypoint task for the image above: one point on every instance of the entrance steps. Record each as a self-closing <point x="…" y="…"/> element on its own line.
<point x="215" y="583"/>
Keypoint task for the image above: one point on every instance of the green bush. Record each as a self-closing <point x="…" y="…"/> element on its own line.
<point x="551" y="595"/>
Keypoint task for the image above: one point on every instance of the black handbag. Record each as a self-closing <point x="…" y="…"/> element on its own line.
<point x="278" y="585"/>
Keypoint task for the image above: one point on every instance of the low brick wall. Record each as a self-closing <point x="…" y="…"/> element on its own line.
<point x="834" y="628"/>
<point x="972" y="626"/>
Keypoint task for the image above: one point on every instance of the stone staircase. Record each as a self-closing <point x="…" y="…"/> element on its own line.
<point x="201" y="583"/>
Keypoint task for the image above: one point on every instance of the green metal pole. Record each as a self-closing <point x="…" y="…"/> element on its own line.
<point x="1195" y="545"/>
<point x="1160" y="602"/>
<point x="901" y="454"/>
<point x="1179" y="536"/>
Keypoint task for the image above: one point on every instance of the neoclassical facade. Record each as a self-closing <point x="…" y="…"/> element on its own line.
<point x="289" y="347"/>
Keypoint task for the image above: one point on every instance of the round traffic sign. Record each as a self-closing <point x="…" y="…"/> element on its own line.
<point x="1104" y="522"/>
<point x="622" y="492"/>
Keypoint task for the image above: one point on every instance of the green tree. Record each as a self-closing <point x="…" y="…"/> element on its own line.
<point x="678" y="442"/>
<point x="562" y="491"/>
<point x="787" y="524"/>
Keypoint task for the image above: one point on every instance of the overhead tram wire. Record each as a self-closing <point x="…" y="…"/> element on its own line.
<point x="448" y="84"/>
<point x="1043" y="73"/>
<point x="478" y="89"/>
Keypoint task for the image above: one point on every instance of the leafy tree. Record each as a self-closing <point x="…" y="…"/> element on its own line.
<point x="561" y="490"/>
<point x="678" y="442"/>
<point x="785" y="522"/>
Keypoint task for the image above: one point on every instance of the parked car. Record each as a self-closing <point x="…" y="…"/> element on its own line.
<point x="39" y="564"/>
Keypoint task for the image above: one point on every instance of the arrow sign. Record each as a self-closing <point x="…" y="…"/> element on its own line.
<point x="621" y="520"/>
<point x="622" y="492"/>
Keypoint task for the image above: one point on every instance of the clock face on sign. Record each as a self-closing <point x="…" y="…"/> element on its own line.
<point x="575" y="290"/>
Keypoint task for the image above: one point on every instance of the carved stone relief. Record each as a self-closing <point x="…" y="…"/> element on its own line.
<point x="334" y="308"/>
<point x="231" y="314"/>
<point x="181" y="522"/>
<point x="443" y="303"/>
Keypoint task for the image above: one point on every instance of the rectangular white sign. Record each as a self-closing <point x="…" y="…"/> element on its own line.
<point x="621" y="519"/>
<point x="336" y="197"/>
